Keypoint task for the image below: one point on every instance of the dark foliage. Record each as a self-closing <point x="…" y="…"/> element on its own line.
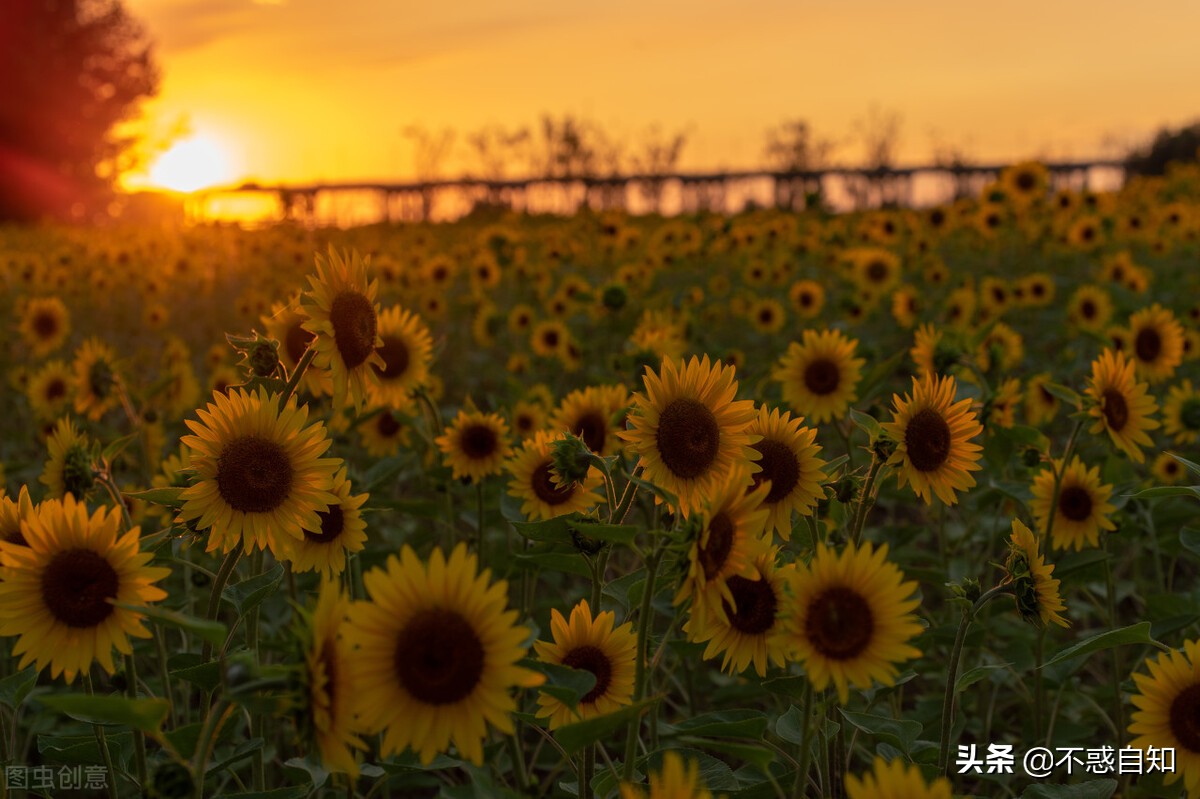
<point x="1169" y="146"/>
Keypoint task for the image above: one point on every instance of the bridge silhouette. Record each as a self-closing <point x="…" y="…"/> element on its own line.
<point x="681" y="192"/>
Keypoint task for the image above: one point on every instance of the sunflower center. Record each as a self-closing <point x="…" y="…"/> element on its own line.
<point x="550" y="338"/>
<point x="806" y="299"/>
<point x="593" y="429"/>
<point x="395" y="358"/>
<point x="877" y="271"/>
<point x="478" y="441"/>
<point x="779" y="465"/>
<point x="1116" y="410"/>
<point x="590" y="658"/>
<point x="333" y="522"/>
<point x="1026" y="181"/>
<point x="756" y="605"/>
<point x="546" y="489"/>
<point x="1148" y="344"/>
<point x="839" y="623"/>
<point x="45" y="325"/>
<point x="688" y="438"/>
<point x="1185" y="717"/>
<point x="1189" y="413"/>
<point x="715" y="551"/>
<point x="77" y="585"/>
<point x="1088" y="309"/>
<point x="354" y="327"/>
<point x="439" y="658"/>
<point x="295" y="341"/>
<point x="254" y="475"/>
<point x="55" y="389"/>
<point x="927" y="439"/>
<point x="1075" y="503"/>
<point x="822" y="376"/>
<point x="387" y="425"/>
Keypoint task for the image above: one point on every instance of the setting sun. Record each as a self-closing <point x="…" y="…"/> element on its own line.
<point x="192" y="164"/>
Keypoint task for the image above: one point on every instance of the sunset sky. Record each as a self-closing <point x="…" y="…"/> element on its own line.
<point x="298" y="90"/>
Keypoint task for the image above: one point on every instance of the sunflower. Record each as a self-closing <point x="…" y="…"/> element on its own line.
<point x="330" y="681"/>
<point x="56" y="590"/>
<point x="1084" y="234"/>
<point x="527" y="418"/>
<point x="850" y="618"/>
<point x="285" y="324"/>
<point x="342" y="532"/>
<point x="1002" y="410"/>
<point x="1121" y="407"/>
<point x="675" y="779"/>
<point x="406" y="352"/>
<point x="45" y="325"/>
<point x="687" y="429"/>
<point x="931" y="352"/>
<point x="1040" y="405"/>
<point x="895" y="780"/>
<point x="960" y="307"/>
<point x="382" y="434"/>
<point x="1002" y="347"/>
<point x="766" y="315"/>
<point x="69" y="468"/>
<point x="96" y="389"/>
<point x="1168" y="705"/>
<point x="750" y="629"/>
<point x="874" y="270"/>
<point x="1157" y="343"/>
<point x="49" y="390"/>
<point x="259" y="475"/>
<point x="820" y="374"/>
<point x="344" y="316"/>
<point x="1038" y="289"/>
<point x="1036" y="592"/>
<point x="475" y="445"/>
<point x="595" y="646"/>
<point x="787" y="460"/>
<point x="1167" y="470"/>
<point x="1025" y="182"/>
<point x="905" y="306"/>
<point x="12" y="514"/>
<point x="933" y="440"/>
<point x="436" y="654"/>
<point x="808" y="297"/>
<point x="595" y="414"/>
<point x="1089" y="308"/>
<point x="1083" y="507"/>
<point x="543" y="492"/>
<point x="1181" y="413"/>
<point x="548" y="338"/>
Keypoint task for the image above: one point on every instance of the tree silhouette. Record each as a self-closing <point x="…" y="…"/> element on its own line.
<point x="1169" y="146"/>
<point x="74" y="70"/>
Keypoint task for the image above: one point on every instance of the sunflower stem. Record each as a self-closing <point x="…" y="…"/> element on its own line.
<point x="811" y="520"/>
<point x="952" y="672"/>
<point x="160" y="644"/>
<point x="104" y="477"/>
<point x="479" y="518"/>
<point x="586" y="769"/>
<point x="1111" y="601"/>
<point x="1059" y="471"/>
<point x="865" y="500"/>
<point x="139" y="737"/>
<point x="518" y="758"/>
<point x="800" y="788"/>
<point x="626" y="502"/>
<point x="256" y="719"/>
<point x="110" y="781"/>
<point x="214" y="598"/>
<point x="204" y="744"/>
<point x="639" y="674"/>
<point x="294" y="378"/>
<point x="845" y="436"/>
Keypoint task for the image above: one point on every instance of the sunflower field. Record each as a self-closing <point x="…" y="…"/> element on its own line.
<point x="895" y="503"/>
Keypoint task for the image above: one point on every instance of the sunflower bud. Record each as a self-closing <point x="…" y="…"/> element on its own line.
<point x="615" y="297"/>
<point x="584" y="543"/>
<point x="1031" y="457"/>
<point x="845" y="490"/>
<point x="883" y="447"/>
<point x="571" y="459"/>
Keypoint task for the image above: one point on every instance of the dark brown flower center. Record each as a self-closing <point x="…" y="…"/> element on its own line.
<point x="333" y="522"/>
<point x="254" y="475"/>
<point x="76" y="586"/>
<point x="295" y="341"/>
<point x="592" y="427"/>
<point x="1026" y="181"/>
<point x="756" y="605"/>
<point x="590" y="658"/>
<point x="927" y="440"/>
<point x="877" y="271"/>
<point x="1088" y="309"/>
<point x="1185" y="718"/>
<point x="806" y="299"/>
<point x="354" y="327"/>
<point x="478" y="441"/>
<point x="1116" y="410"/>
<point x="688" y="438"/>
<point x="839" y="623"/>
<point x="779" y="465"/>
<point x="543" y="485"/>
<point x="550" y="338"/>
<point x="55" y="389"/>
<point x="439" y="658"/>
<point x="1148" y="345"/>
<point x="716" y="549"/>
<point x="387" y="425"/>
<point x="45" y="324"/>
<point x="1075" y="502"/>
<point x="822" y="376"/>
<point x="395" y="358"/>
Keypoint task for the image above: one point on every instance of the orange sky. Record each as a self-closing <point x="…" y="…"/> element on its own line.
<point x="297" y="90"/>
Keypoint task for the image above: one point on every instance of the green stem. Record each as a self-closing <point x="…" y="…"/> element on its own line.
<point x="587" y="769"/>
<point x="294" y="378"/>
<point x="626" y="501"/>
<point x="214" y="598"/>
<point x="952" y="672"/>
<point x="256" y="719"/>
<point x="110" y="781"/>
<point x="1110" y="596"/>
<point x="139" y="737"/>
<point x="800" y="788"/>
<point x="1039" y="687"/>
<point x="811" y="520"/>
<point x="160" y="644"/>
<point x="645" y="621"/>
<point x="518" y="758"/>
<point x="479" y="519"/>
<point x="1058" y="476"/>
<point x="845" y="436"/>
<point x="865" y="500"/>
<point x="208" y="735"/>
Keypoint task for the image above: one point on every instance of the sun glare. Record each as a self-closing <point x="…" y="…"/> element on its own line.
<point x="192" y="164"/>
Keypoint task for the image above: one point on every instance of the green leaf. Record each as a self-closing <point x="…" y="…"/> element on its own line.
<point x="243" y="751"/>
<point x="554" y="530"/>
<point x="612" y="533"/>
<point x="666" y="496"/>
<point x="1192" y="466"/>
<point x="868" y="424"/>
<point x="715" y="774"/>
<point x="249" y="594"/>
<point x="969" y="678"/>
<point x="115" y="448"/>
<point x="205" y="675"/>
<point x="573" y="737"/>
<point x="15" y="687"/>
<point x="1065" y="394"/>
<point x="214" y="632"/>
<point x="146" y="715"/>
<point x="1092" y="789"/>
<point x="171" y="497"/>
<point x="832" y="466"/>
<point x="82" y="750"/>
<point x="1029" y="436"/>
<point x="565" y="684"/>
<point x="1133" y="634"/>
<point x="1189" y="537"/>
<point x="900" y="733"/>
<point x="790" y="726"/>
<point x="316" y="774"/>
<point x="1166" y="491"/>
<point x="298" y="792"/>
<point x="725" y="724"/>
